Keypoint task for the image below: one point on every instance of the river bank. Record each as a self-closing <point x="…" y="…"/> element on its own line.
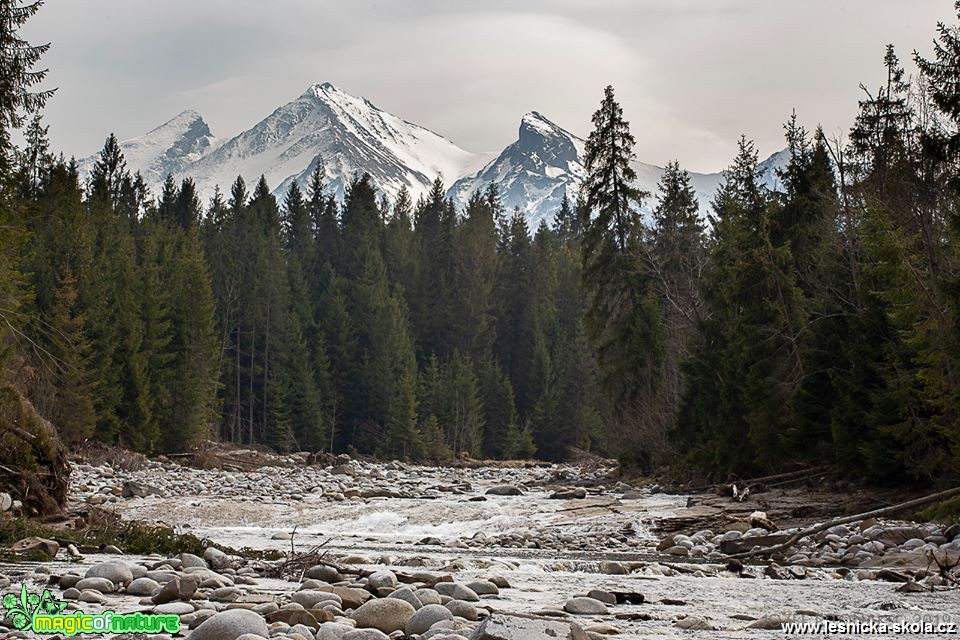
<point x="553" y="533"/>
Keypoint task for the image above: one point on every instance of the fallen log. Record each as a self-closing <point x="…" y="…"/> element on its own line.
<point x="876" y="513"/>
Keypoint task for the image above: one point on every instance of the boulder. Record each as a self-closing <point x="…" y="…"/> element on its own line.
<point x="102" y="585"/>
<point x="421" y="621"/>
<point x="584" y="606"/>
<point x="131" y="489"/>
<point x="34" y="543"/>
<point x="216" y="559"/>
<point x="569" y="494"/>
<point x="350" y="597"/>
<point x="116" y="571"/>
<point x="456" y="591"/>
<point x="230" y="625"/>
<point x="504" y="490"/>
<point x="142" y="587"/>
<point x="386" y="614"/>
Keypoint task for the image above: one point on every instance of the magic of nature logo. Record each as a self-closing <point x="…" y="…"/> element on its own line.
<point x="44" y="614"/>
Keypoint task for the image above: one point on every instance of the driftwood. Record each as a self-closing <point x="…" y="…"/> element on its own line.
<point x="809" y="531"/>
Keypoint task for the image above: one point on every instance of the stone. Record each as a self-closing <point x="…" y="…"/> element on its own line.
<point x="34" y="543"/>
<point x="603" y="596"/>
<point x="112" y="550"/>
<point x="457" y="591"/>
<point x="612" y="568"/>
<point x="294" y="617"/>
<point x="131" y="489"/>
<point x="217" y="559"/>
<point x="504" y="490"/>
<point x="350" y="597"/>
<point x="309" y="598"/>
<point x="603" y="629"/>
<point x="188" y="587"/>
<point x="386" y="614"/>
<point x="428" y="596"/>
<point x="406" y="594"/>
<point x="462" y="609"/>
<point x="92" y="595"/>
<point x="500" y="581"/>
<point x="102" y="585"/>
<point x="895" y="536"/>
<point x="68" y="580"/>
<point x="365" y="634"/>
<point x="382" y="579"/>
<point x="116" y="571"/>
<point x="770" y="623"/>
<point x="175" y="608"/>
<point x="421" y="621"/>
<point x="142" y="587"/>
<point x="333" y="631"/>
<point x="694" y="623"/>
<point x="483" y="588"/>
<point x="225" y="594"/>
<point x="5" y="501"/>
<point x="230" y="625"/>
<point x="506" y="627"/>
<point x="584" y="606"/>
<point x="569" y="494"/>
<point x="168" y="592"/>
<point x="323" y="573"/>
<point x="633" y="494"/>
<point x="952" y="532"/>
<point x="191" y="560"/>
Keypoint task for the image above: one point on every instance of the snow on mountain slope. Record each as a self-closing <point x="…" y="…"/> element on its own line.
<point x="531" y="173"/>
<point x="546" y="160"/>
<point x="346" y="135"/>
<point x="169" y="148"/>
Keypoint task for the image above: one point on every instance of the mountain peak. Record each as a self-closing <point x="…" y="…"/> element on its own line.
<point x="535" y="128"/>
<point x="183" y="121"/>
<point x="536" y="121"/>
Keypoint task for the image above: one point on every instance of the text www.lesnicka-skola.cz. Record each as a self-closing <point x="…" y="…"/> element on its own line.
<point x="872" y="627"/>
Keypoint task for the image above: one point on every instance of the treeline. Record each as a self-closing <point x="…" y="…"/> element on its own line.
<point x="402" y="329"/>
<point x="817" y="321"/>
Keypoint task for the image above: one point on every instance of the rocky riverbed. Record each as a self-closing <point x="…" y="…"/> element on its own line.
<point x="487" y="553"/>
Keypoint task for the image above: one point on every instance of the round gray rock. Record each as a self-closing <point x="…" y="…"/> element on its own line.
<point x="422" y="620"/>
<point x="382" y="579"/>
<point x="103" y="585"/>
<point x="116" y="571"/>
<point x="230" y="625"/>
<point x="386" y="614"/>
<point x="142" y="587"/>
<point x="462" y="609"/>
<point x="584" y="606"/>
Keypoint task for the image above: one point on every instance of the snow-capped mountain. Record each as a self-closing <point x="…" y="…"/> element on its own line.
<point x="531" y="173"/>
<point x="347" y="135"/>
<point x="169" y="148"/>
<point x="546" y="160"/>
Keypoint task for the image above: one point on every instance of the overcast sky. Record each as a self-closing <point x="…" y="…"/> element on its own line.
<point x="692" y="75"/>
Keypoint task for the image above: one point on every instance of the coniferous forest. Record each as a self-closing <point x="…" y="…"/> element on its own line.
<point x="815" y="322"/>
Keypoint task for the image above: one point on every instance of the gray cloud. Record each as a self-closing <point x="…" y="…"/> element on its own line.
<point x="692" y="75"/>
